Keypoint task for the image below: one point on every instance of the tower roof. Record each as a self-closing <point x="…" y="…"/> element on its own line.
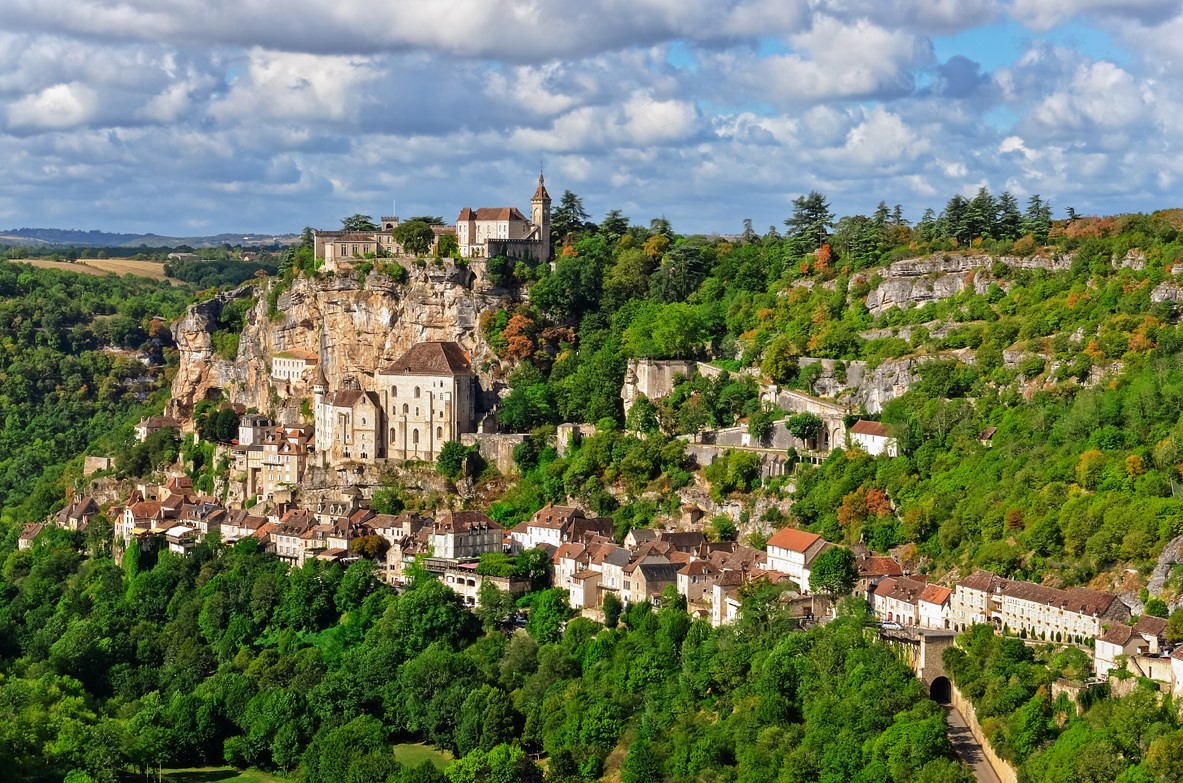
<point x="541" y="194"/>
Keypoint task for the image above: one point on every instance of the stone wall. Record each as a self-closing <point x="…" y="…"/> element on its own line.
<point x="653" y="379"/>
<point x="1005" y="772"/>
<point x="92" y="465"/>
<point x="495" y="448"/>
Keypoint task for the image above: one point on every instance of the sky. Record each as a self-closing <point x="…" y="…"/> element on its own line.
<point x="189" y="117"/>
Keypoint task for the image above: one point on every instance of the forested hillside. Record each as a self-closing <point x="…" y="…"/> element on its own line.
<point x="62" y="388"/>
<point x="1051" y="337"/>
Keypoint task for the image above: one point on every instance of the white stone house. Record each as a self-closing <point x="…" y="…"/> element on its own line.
<point x="792" y="552"/>
<point x="873" y="438"/>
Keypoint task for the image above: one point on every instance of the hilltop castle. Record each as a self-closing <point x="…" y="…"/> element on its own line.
<point x="486" y="232"/>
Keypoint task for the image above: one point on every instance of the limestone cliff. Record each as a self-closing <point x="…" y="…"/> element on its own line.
<point x="917" y="281"/>
<point x="365" y="324"/>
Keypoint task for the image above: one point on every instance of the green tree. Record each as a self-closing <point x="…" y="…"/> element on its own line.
<point x="549" y="610"/>
<point x="569" y="218"/>
<point x="612" y="609"/>
<point x="415" y="236"/>
<point x="834" y="573"/>
<point x="804" y="426"/>
<point x="453" y="459"/>
<point x="359" y="223"/>
<point x="809" y="225"/>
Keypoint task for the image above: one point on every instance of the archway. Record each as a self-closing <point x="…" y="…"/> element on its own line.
<point x="940" y="690"/>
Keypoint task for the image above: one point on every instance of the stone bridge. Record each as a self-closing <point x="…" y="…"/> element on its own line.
<point x="923" y="649"/>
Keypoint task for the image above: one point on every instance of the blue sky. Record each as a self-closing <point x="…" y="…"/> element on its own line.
<point x="202" y="116"/>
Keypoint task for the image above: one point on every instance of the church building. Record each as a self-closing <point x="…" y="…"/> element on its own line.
<point x="421" y="400"/>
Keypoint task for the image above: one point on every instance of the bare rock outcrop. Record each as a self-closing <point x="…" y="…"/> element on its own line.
<point x="917" y="281"/>
<point x="364" y="322"/>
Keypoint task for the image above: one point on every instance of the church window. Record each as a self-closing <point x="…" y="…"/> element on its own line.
<point x="393" y="434"/>
<point x="416" y="392"/>
<point x="415" y="436"/>
<point x="406" y="409"/>
<point x="439" y="432"/>
<point x="416" y="411"/>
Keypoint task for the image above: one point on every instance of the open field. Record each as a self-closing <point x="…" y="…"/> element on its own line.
<point x="212" y="775"/>
<point x="414" y="754"/>
<point x="101" y="266"/>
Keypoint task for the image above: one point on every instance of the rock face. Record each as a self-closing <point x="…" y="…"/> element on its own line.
<point x="917" y="281"/>
<point x="871" y="389"/>
<point x="364" y="325"/>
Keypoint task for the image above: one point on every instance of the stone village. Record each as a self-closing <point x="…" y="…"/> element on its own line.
<point x="429" y="393"/>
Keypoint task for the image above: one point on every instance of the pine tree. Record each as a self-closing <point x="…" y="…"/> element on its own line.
<point x="1038" y="219"/>
<point x="1009" y="217"/>
<point x="809" y="227"/>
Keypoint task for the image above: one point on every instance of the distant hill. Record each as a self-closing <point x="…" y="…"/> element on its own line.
<point x="96" y="238"/>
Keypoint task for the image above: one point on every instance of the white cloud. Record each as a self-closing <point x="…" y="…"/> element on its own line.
<point x="54" y="108"/>
<point x="1043" y="15"/>
<point x="298" y="86"/>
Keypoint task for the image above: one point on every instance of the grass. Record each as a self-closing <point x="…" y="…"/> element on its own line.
<point x="413" y="754"/>
<point x="213" y="775"/>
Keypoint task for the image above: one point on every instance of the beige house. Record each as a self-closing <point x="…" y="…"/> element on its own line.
<point x="289" y="368"/>
<point x="463" y="534"/>
<point x="348" y="424"/>
<point x="1141" y="644"/>
<point x="1033" y="610"/>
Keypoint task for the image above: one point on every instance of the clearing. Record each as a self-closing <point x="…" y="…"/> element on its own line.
<point x="413" y="754"/>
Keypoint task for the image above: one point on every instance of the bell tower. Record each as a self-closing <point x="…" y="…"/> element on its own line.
<point x="540" y="216"/>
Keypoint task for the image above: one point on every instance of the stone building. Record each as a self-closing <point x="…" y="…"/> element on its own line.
<point x="427" y="397"/>
<point x="488" y="232"/>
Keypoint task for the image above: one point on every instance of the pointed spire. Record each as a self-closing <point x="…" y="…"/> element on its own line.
<point x="541" y="194"/>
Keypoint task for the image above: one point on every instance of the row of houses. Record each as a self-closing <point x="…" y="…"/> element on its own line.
<point x="1074" y="616"/>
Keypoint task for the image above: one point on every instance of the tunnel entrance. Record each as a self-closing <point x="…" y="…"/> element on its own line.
<point x="940" y="690"/>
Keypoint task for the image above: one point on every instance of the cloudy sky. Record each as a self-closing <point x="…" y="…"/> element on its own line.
<point x="198" y="116"/>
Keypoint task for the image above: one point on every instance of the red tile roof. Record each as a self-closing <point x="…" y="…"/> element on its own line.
<point x="793" y="540"/>
<point x="862" y="427"/>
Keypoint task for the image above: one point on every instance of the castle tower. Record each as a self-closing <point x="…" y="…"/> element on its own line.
<point x="540" y="216"/>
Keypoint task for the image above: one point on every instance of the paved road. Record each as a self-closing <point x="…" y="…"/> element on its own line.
<point x="968" y="749"/>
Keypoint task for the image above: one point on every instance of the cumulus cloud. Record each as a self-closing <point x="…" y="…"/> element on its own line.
<point x="54" y="108"/>
<point x="242" y="113"/>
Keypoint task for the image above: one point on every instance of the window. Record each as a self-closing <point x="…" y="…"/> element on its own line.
<point x="393" y="434"/>
<point x="439" y="432"/>
<point x="416" y="392"/>
<point x="406" y="409"/>
<point x="414" y="437"/>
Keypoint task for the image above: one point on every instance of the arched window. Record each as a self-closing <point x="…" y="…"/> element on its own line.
<point x="416" y="392"/>
<point x="439" y="432"/>
<point x="406" y="409"/>
<point x="393" y="434"/>
<point x="393" y="391"/>
<point x="415" y="436"/>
